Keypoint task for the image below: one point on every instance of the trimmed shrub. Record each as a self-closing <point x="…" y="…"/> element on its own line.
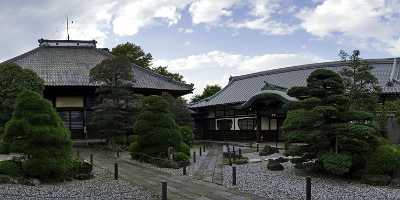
<point x="36" y="129"/>
<point x="183" y="148"/>
<point x="157" y="129"/>
<point x="182" y="159"/>
<point x="337" y="164"/>
<point x="187" y="134"/>
<point x="10" y="167"/>
<point x="384" y="160"/>
<point x="133" y="138"/>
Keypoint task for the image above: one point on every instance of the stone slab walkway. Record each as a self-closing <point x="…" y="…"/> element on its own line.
<point x="179" y="187"/>
<point x="210" y="169"/>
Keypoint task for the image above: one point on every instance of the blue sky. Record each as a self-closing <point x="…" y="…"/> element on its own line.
<point x="209" y="40"/>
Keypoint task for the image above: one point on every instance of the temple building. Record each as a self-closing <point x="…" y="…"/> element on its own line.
<point x="253" y="106"/>
<point x="64" y="65"/>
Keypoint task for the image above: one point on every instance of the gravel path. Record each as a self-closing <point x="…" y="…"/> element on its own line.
<point x="287" y="184"/>
<point x="102" y="187"/>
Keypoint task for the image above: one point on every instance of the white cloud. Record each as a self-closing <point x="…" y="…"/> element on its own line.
<point x="134" y="15"/>
<point x="185" y="30"/>
<point x="210" y="11"/>
<point x="215" y="67"/>
<point x="263" y="11"/>
<point x="368" y="22"/>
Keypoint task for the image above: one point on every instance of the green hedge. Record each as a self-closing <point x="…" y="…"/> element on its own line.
<point x="337" y="164"/>
<point x="384" y="160"/>
<point x="10" y="167"/>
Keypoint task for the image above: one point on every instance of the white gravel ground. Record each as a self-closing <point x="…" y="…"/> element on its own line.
<point x="102" y="187"/>
<point x="287" y="184"/>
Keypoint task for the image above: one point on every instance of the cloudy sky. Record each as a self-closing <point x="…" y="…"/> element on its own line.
<point x="209" y="40"/>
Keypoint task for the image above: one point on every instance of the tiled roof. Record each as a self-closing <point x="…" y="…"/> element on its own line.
<point x="70" y="66"/>
<point x="242" y="88"/>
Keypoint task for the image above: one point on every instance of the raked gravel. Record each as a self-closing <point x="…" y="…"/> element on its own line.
<point x="287" y="184"/>
<point x="102" y="187"/>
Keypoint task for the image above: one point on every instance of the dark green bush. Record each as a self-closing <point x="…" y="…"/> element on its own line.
<point x="157" y="129"/>
<point x="133" y="138"/>
<point x="384" y="160"/>
<point x="300" y="119"/>
<point x="36" y="129"/>
<point x="187" y="134"/>
<point x="47" y="169"/>
<point x="184" y="148"/>
<point x="10" y="167"/>
<point x="337" y="164"/>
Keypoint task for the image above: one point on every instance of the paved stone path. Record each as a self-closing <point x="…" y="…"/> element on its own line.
<point x="179" y="187"/>
<point x="211" y="168"/>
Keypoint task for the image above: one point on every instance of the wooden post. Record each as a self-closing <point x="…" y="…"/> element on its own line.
<point x="230" y="159"/>
<point x="233" y="149"/>
<point x="200" y="151"/>
<point x="258" y="149"/>
<point x="117" y="152"/>
<point x="308" y="188"/>
<point x="184" y="170"/>
<point x="240" y="152"/>
<point x="194" y="156"/>
<point x="91" y="159"/>
<point x="164" y="190"/>
<point x="116" y="171"/>
<point x="233" y="175"/>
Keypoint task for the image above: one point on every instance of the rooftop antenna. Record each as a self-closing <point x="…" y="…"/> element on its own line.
<point x="68" y="27"/>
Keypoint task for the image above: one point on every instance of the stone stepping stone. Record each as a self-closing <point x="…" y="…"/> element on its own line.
<point x="254" y="160"/>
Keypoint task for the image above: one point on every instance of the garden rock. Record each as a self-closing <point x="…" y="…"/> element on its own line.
<point x="5" y="179"/>
<point x="274" y="166"/>
<point x="268" y="150"/>
<point x="377" y="179"/>
<point x="395" y="182"/>
<point x="282" y="160"/>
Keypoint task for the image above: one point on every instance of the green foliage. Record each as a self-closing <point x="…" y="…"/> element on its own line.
<point x="298" y="92"/>
<point x="13" y="80"/>
<point x="361" y="85"/>
<point x="181" y="157"/>
<point x="384" y="160"/>
<point x="325" y="123"/>
<point x="208" y="91"/>
<point x="36" y="129"/>
<point x="183" y="148"/>
<point x="116" y="104"/>
<point x="337" y="164"/>
<point x="178" y="107"/>
<point x="10" y="167"/>
<point x="301" y="119"/>
<point x="322" y="83"/>
<point x="156" y="128"/>
<point x="134" y="53"/>
<point x="187" y="134"/>
<point x="164" y="71"/>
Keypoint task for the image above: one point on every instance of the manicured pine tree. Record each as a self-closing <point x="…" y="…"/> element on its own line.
<point x="334" y="135"/>
<point x="13" y="80"/>
<point x="116" y="104"/>
<point x="157" y="129"/>
<point x="36" y="130"/>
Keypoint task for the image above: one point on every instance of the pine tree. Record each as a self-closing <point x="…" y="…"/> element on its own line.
<point x="116" y="104"/>
<point x="36" y="130"/>
<point x="157" y="129"/>
<point x="336" y="136"/>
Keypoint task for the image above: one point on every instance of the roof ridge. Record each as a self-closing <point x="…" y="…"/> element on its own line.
<point x="303" y="67"/>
